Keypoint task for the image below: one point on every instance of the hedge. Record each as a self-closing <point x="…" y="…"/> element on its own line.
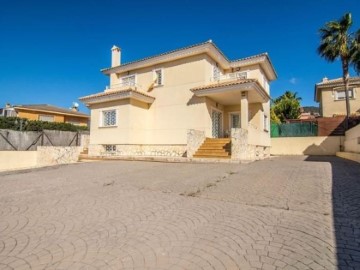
<point x="16" y="123"/>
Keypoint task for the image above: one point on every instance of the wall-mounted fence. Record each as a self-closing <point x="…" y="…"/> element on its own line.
<point x="294" y="130"/>
<point x="323" y="126"/>
<point x="11" y="140"/>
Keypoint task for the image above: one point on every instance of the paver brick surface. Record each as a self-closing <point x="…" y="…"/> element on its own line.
<point x="281" y="213"/>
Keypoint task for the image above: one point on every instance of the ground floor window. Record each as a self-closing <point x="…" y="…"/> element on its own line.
<point x="109" y="148"/>
<point x="109" y="118"/>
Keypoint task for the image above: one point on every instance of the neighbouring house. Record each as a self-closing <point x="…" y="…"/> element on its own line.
<point x="331" y="96"/>
<point x="45" y="112"/>
<point x="176" y="102"/>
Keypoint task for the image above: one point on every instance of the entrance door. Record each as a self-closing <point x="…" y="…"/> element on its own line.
<point x="216" y="118"/>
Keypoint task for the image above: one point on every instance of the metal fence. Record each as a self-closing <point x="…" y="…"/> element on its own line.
<point x="11" y="140"/>
<point x="306" y="129"/>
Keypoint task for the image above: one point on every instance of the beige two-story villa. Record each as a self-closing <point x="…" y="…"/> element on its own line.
<point x="191" y="102"/>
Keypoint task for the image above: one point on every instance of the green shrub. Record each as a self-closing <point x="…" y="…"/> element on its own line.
<point x="16" y="123"/>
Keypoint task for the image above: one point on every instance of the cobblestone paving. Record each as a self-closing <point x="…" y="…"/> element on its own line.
<point x="283" y="213"/>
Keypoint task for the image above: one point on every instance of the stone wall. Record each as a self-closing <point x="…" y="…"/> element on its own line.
<point x="139" y="150"/>
<point x="53" y="155"/>
<point x="194" y="139"/>
<point x="242" y="150"/>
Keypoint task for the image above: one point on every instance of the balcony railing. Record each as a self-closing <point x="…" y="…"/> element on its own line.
<point x="230" y="76"/>
<point x="123" y="86"/>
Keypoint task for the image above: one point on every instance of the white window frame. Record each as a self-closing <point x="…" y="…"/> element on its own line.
<point x="230" y="118"/>
<point x="47" y="115"/>
<point x="266" y="122"/>
<point x="222" y="119"/>
<point x="101" y="122"/>
<point x="336" y="97"/>
<point x="216" y="68"/>
<point x="127" y="77"/>
<point x="156" y="78"/>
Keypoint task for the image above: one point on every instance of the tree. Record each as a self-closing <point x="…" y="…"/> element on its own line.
<point x="338" y="43"/>
<point x="285" y="107"/>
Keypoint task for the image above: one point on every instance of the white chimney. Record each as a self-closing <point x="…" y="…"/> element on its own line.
<point x="325" y="79"/>
<point x="115" y="56"/>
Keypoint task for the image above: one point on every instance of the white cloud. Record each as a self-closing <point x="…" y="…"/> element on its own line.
<point x="293" y="80"/>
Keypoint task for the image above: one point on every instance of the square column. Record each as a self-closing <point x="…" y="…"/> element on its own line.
<point x="244" y="110"/>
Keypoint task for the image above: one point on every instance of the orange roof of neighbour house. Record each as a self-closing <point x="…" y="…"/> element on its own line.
<point x="223" y="84"/>
<point x="51" y="109"/>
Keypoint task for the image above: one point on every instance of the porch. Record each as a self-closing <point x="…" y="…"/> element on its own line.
<point x="239" y="113"/>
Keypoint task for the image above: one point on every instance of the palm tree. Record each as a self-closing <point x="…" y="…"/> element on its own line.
<point x="285" y="107"/>
<point x="338" y="43"/>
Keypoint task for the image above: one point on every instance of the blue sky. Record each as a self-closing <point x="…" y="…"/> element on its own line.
<point x="52" y="51"/>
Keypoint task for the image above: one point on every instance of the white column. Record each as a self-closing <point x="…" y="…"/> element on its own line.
<point x="244" y="110"/>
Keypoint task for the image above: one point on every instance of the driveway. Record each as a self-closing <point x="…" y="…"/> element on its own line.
<point x="281" y="213"/>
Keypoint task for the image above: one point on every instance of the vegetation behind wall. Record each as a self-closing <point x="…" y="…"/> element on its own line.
<point x="16" y="123"/>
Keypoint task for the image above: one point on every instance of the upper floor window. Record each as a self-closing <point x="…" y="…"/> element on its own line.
<point x="128" y="80"/>
<point x="266" y="83"/>
<point x="46" y="118"/>
<point x="266" y="123"/>
<point x="216" y="73"/>
<point x="109" y="118"/>
<point x="340" y="94"/>
<point x="159" y="76"/>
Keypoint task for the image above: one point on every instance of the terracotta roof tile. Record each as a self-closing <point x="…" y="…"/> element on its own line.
<point x="110" y="93"/>
<point x="223" y="84"/>
<point x="338" y="81"/>
<point x="185" y="48"/>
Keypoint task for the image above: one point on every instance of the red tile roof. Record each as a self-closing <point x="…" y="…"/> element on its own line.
<point x="110" y="93"/>
<point x="223" y="84"/>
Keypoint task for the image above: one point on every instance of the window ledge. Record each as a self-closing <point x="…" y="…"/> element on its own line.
<point x="344" y="99"/>
<point x="108" y="126"/>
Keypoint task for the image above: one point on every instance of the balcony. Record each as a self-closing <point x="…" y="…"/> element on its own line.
<point x="123" y="86"/>
<point x="229" y="77"/>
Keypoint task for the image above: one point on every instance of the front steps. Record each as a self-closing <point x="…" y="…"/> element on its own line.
<point x="214" y="148"/>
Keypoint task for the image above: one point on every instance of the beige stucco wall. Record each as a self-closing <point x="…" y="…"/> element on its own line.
<point x="330" y="106"/>
<point x="13" y="160"/>
<point x="306" y="145"/>
<point x="352" y="140"/>
<point x="44" y="156"/>
<point x="166" y="121"/>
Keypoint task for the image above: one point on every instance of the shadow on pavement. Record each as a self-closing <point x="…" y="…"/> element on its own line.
<point x="346" y="209"/>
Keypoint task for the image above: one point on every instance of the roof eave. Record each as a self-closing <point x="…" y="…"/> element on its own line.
<point x="208" y="48"/>
<point x="263" y="60"/>
<point x="243" y="86"/>
<point x="88" y="101"/>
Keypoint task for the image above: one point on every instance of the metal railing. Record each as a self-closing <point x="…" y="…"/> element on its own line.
<point x="230" y="76"/>
<point x="123" y="85"/>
